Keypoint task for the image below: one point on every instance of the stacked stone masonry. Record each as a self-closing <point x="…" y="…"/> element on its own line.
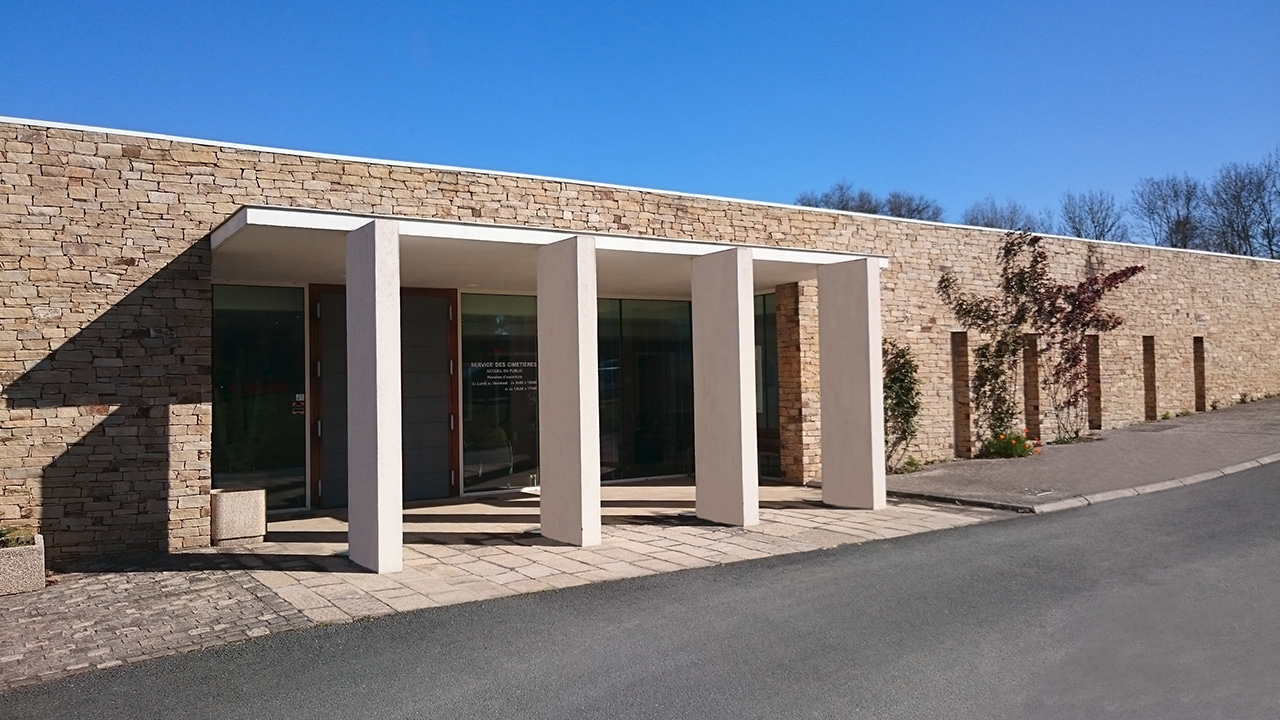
<point x="105" y="305"/>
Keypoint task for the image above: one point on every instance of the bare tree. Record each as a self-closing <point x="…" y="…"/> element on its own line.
<point x="1237" y="203"/>
<point x="843" y="196"/>
<point x="903" y="205"/>
<point x="1009" y="215"/>
<point x="1172" y="210"/>
<point x="1271" y="205"/>
<point x="1094" y="215"/>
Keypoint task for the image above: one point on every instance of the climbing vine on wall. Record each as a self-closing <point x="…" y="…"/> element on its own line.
<point x="1001" y="320"/>
<point x="902" y="400"/>
<point x="1067" y="315"/>
<point x="1030" y="299"/>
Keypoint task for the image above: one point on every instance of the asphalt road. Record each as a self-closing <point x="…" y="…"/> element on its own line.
<point x="1162" y="606"/>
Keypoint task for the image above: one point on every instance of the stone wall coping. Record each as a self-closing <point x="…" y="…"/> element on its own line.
<point x="4" y="119"/>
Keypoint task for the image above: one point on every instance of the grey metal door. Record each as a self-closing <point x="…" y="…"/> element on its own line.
<point x="424" y="339"/>
<point x="424" y="367"/>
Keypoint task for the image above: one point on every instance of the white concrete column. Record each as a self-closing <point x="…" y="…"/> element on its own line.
<point x="724" y="389"/>
<point x="851" y="384"/>
<point x="374" y="463"/>
<point x="568" y="392"/>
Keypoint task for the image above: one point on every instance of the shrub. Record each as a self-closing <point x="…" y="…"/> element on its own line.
<point x="901" y="400"/>
<point x="1009" y="445"/>
<point x="16" y="536"/>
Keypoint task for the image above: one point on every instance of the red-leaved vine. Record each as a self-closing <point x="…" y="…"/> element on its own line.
<point x="1064" y="314"/>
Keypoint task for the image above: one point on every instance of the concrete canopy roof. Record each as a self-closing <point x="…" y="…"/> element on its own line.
<point x="265" y="245"/>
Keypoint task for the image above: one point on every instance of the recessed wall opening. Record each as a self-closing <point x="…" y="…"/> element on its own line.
<point x="1197" y="345"/>
<point x="1093" y="388"/>
<point x="1031" y="383"/>
<point x="1149" y="377"/>
<point x="960" y="394"/>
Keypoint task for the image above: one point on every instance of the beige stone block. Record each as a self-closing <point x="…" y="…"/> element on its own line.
<point x="22" y="568"/>
<point x="238" y="516"/>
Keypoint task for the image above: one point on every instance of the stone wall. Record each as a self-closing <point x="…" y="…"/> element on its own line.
<point x="799" y="424"/>
<point x="105" y="303"/>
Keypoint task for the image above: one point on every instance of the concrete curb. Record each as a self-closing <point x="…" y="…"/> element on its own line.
<point x="971" y="502"/>
<point x="1090" y="499"/>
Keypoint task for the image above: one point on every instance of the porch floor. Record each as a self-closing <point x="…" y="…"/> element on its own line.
<point x="125" y="610"/>
<point x="486" y="547"/>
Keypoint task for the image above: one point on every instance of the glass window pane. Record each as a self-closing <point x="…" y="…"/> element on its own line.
<point x="767" y="437"/>
<point x="646" y="389"/>
<point x="499" y="392"/>
<point x="656" y="364"/>
<point x="611" y="408"/>
<point x="259" y="386"/>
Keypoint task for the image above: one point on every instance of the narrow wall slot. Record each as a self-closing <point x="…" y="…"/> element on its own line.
<point x="1031" y="383"/>
<point x="960" y="394"/>
<point x="1093" y="388"/>
<point x="1149" y="377"/>
<point x="1197" y="345"/>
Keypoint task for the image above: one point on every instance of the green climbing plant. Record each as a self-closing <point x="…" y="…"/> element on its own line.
<point x="1001" y="321"/>
<point x="902" y="400"/>
<point x="1030" y="299"/>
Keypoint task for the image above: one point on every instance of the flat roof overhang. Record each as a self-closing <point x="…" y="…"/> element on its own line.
<point x="290" y="246"/>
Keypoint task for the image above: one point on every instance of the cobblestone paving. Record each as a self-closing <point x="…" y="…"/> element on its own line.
<point x="454" y="553"/>
<point x="115" y="614"/>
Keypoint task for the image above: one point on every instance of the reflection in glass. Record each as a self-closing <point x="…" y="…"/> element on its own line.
<point x="768" y="441"/>
<point x="610" y="341"/>
<point x="499" y="392"/>
<point x="259" y="421"/>
<point x="646" y="389"/>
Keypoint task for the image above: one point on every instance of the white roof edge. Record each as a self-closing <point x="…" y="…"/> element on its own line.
<point x="337" y="221"/>
<point x="503" y="173"/>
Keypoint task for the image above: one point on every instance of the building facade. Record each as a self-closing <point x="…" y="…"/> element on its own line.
<point x="175" y="318"/>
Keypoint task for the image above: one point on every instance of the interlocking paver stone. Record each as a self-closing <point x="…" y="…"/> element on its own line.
<point x="115" y="613"/>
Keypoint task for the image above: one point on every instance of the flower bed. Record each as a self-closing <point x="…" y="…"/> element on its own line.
<point x="1009" y="445"/>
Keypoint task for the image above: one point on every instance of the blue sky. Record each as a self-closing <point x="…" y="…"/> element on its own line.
<point x="744" y="99"/>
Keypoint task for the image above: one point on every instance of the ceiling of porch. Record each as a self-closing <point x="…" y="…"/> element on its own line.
<point x="275" y="246"/>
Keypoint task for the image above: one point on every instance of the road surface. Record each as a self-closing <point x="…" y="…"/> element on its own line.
<point x="1161" y="606"/>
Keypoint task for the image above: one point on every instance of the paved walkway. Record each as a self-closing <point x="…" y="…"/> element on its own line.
<point x="131" y="611"/>
<point x="455" y="552"/>
<point x="1195" y="446"/>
